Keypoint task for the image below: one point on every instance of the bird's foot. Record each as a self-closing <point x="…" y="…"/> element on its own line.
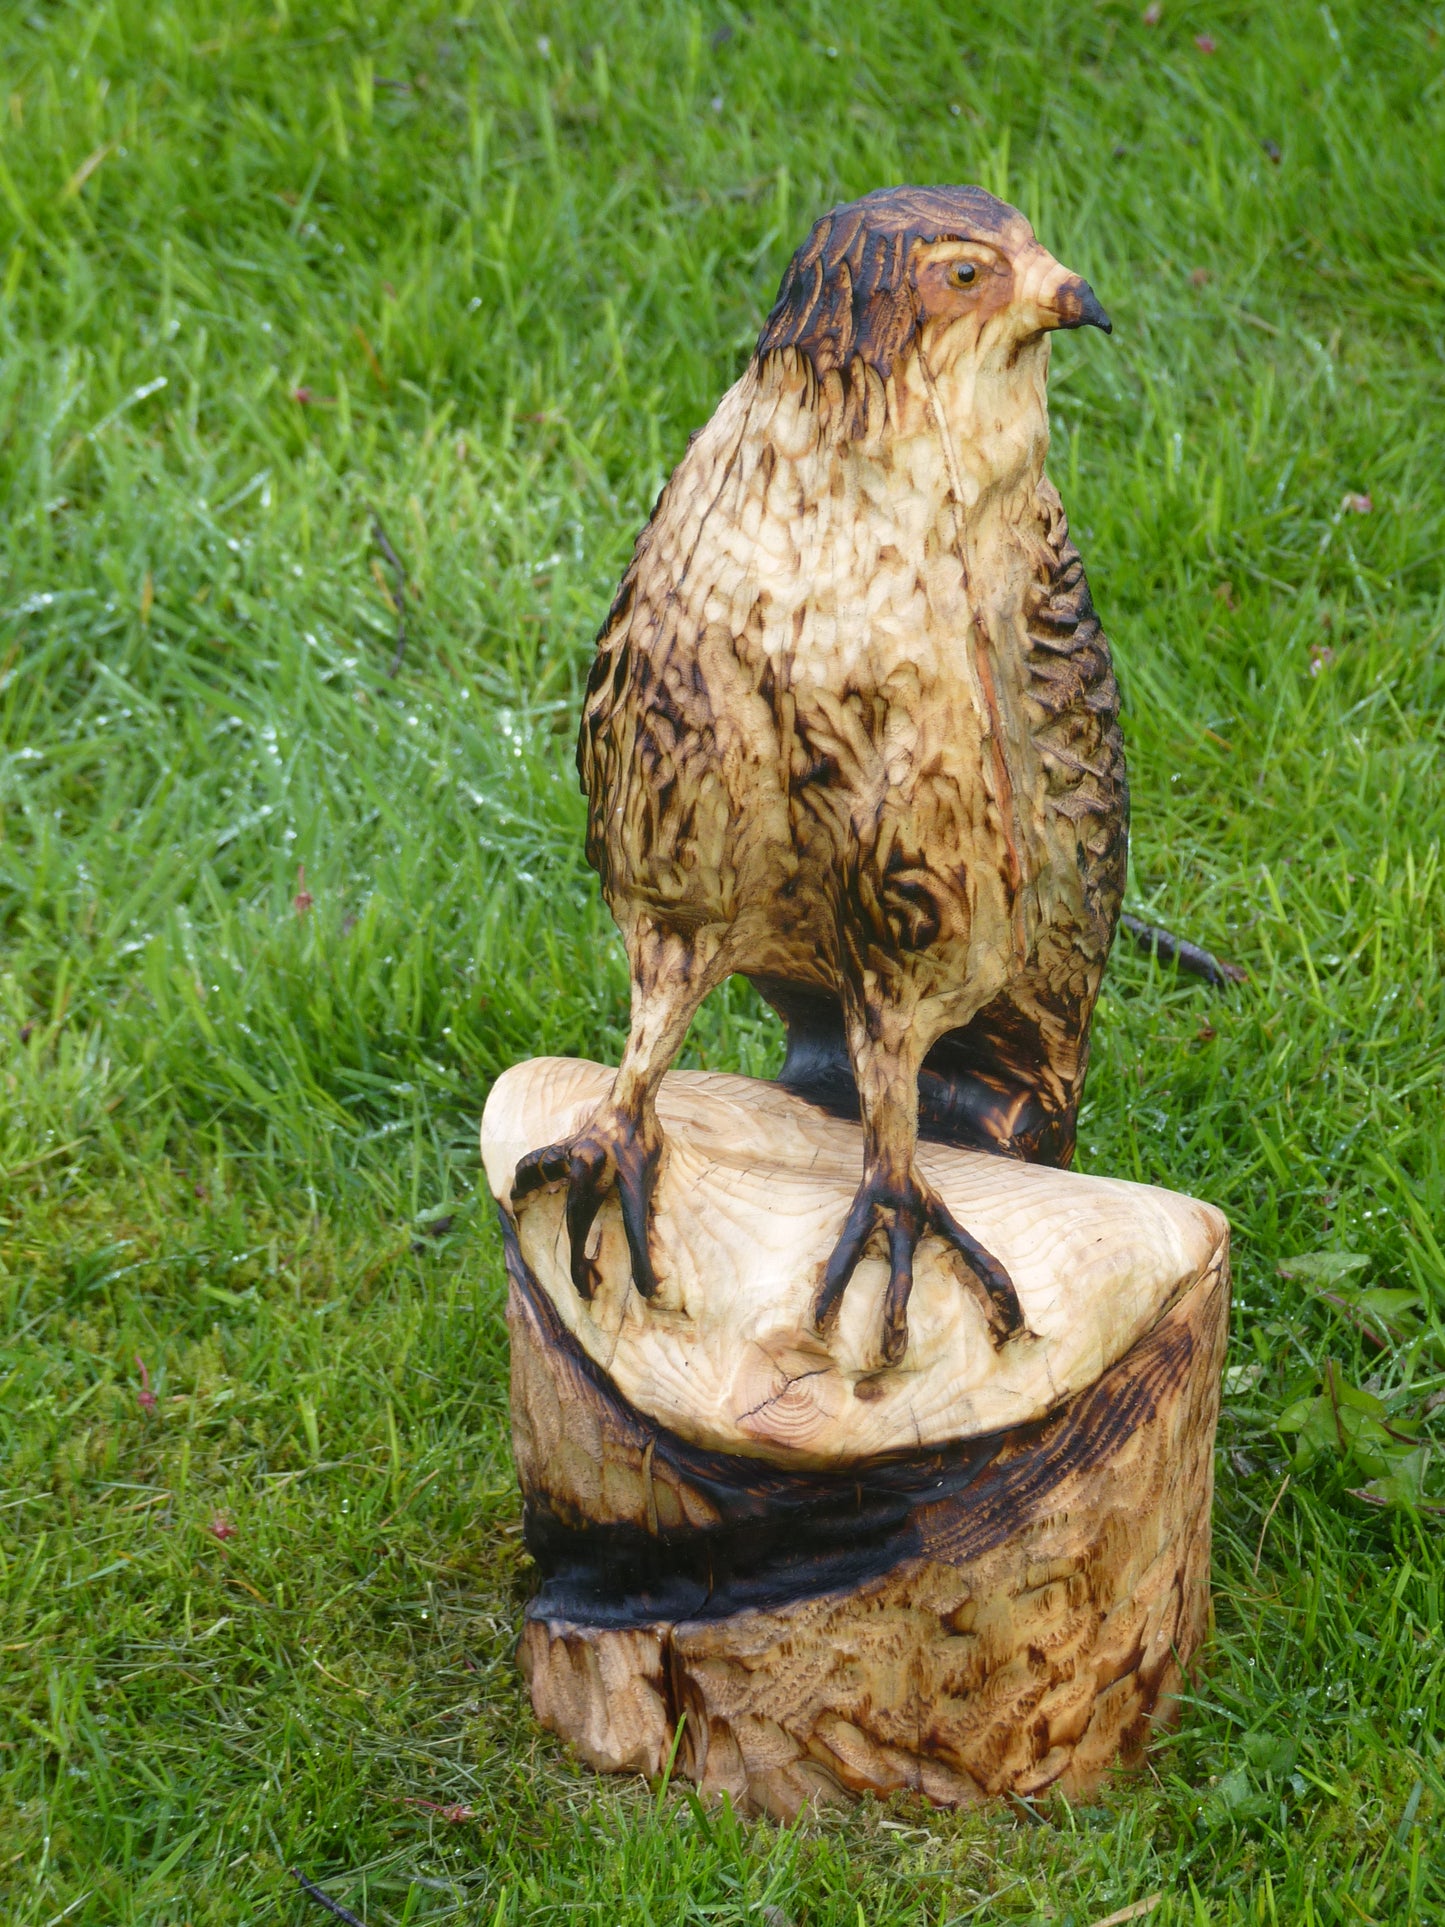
<point x="615" y="1150"/>
<point x="904" y="1211"/>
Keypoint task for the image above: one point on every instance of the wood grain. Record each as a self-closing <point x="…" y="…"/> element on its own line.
<point x="751" y="1195"/>
<point x="1003" y="1610"/>
<point x="1033" y="1639"/>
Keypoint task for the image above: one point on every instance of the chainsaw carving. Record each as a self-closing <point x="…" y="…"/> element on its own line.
<point x="852" y="730"/>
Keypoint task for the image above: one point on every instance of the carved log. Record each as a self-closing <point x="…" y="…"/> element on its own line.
<point x="979" y="1571"/>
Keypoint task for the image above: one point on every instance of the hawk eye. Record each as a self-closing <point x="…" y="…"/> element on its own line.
<point x="961" y="273"/>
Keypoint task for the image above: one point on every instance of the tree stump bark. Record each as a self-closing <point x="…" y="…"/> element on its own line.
<point x="978" y="1572"/>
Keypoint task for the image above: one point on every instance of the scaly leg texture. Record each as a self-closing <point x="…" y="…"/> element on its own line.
<point x="893" y="1202"/>
<point x="620" y="1147"/>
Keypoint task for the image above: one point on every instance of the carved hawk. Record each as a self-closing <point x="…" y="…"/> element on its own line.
<point x="852" y="729"/>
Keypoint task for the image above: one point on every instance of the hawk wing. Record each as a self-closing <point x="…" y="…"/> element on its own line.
<point x="1074" y="698"/>
<point x="678" y="751"/>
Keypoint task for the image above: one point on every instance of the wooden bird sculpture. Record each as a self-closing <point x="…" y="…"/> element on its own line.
<point x="852" y="730"/>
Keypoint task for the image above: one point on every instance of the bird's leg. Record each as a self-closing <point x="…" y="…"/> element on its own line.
<point x="621" y="1144"/>
<point x="893" y="1201"/>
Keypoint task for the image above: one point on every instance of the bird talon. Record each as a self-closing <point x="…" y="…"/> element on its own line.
<point x="608" y="1153"/>
<point x="1001" y="1301"/>
<point x="907" y="1214"/>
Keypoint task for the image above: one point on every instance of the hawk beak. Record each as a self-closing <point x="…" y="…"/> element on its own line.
<point x="1075" y="305"/>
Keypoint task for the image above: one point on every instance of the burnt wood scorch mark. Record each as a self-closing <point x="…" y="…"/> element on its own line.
<point x="776" y="1535"/>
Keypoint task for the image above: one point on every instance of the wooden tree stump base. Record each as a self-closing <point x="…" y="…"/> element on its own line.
<point x="975" y="1573"/>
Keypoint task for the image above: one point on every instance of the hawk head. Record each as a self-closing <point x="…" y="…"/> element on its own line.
<point x="874" y="273"/>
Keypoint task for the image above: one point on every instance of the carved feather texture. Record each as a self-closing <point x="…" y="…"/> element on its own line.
<point x="847" y="292"/>
<point x="852" y="725"/>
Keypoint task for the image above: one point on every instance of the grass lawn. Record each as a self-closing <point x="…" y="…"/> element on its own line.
<point x="272" y="919"/>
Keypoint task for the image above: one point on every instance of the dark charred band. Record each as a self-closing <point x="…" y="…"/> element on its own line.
<point x="786" y="1536"/>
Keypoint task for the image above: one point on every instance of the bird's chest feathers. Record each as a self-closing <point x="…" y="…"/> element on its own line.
<point x="892" y="592"/>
